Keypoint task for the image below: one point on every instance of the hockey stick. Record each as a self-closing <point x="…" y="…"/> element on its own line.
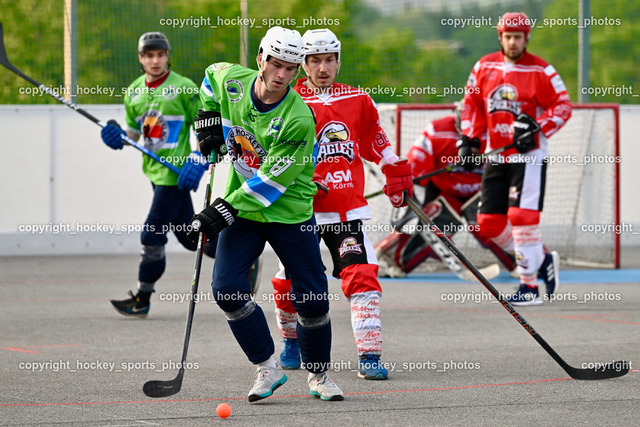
<point x="451" y="262"/>
<point x="159" y="388"/>
<point x="444" y="169"/>
<point x="610" y="370"/>
<point x="4" y="61"/>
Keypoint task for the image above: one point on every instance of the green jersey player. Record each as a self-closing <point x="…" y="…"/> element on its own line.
<point x="269" y="134"/>
<point x="160" y="107"/>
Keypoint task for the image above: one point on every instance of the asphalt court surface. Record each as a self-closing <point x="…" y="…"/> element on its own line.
<point x="455" y="356"/>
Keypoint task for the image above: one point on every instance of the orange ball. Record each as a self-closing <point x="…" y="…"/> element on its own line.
<point x="223" y="410"/>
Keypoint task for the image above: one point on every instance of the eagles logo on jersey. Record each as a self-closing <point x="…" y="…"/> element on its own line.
<point x="504" y="98"/>
<point x="334" y="141"/>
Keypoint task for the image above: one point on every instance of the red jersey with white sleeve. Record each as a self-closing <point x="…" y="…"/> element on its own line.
<point x="497" y="91"/>
<point x="348" y="130"/>
<point x="436" y="148"/>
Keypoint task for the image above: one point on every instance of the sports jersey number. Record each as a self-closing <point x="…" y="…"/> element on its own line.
<point x="281" y="166"/>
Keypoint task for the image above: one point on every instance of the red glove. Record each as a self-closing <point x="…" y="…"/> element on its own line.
<point x="399" y="180"/>
<point x="323" y="187"/>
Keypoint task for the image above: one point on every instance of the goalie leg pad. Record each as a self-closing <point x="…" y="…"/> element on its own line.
<point x="470" y="209"/>
<point x="444" y="212"/>
<point x="388" y="252"/>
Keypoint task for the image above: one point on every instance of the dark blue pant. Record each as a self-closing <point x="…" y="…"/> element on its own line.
<point x="296" y="245"/>
<point x="171" y="210"/>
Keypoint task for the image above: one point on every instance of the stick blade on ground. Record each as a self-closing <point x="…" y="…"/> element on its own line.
<point x="158" y="388"/>
<point x="610" y="370"/>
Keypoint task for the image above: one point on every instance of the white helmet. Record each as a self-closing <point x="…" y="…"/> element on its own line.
<point x="321" y="41"/>
<point x="282" y="43"/>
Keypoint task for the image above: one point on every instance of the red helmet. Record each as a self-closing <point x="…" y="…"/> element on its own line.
<point x="514" y="21"/>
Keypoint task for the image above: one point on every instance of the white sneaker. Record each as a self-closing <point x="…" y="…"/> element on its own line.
<point x="320" y="385"/>
<point x="266" y="381"/>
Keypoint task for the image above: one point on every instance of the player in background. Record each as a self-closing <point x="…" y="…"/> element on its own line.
<point x="270" y="135"/>
<point x="450" y="200"/>
<point x="160" y="106"/>
<point x="517" y="98"/>
<point x="348" y="130"/>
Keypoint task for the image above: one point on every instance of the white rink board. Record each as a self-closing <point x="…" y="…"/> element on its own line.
<point x="57" y="171"/>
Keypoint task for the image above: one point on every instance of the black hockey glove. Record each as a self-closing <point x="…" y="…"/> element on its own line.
<point x="208" y="127"/>
<point x="468" y="158"/>
<point x="212" y="220"/>
<point x="524" y="129"/>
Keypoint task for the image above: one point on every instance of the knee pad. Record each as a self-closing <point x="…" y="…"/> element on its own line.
<point x="519" y="216"/>
<point x="314" y="322"/>
<point x="151" y="253"/>
<point x="241" y="313"/>
<point x="152" y="266"/>
<point x="311" y="306"/>
<point x="491" y="225"/>
<point x="358" y="278"/>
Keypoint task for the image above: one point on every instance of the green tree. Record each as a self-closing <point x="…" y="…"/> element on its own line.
<point x="614" y="47"/>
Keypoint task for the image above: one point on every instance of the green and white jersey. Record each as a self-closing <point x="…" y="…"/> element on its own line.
<point x="273" y="153"/>
<point x="163" y="117"/>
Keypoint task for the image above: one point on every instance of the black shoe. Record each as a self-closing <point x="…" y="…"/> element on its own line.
<point x="550" y="272"/>
<point x="138" y="305"/>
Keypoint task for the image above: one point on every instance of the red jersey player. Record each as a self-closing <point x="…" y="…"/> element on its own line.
<point x="348" y="129"/>
<point x="518" y="99"/>
<point x="451" y="198"/>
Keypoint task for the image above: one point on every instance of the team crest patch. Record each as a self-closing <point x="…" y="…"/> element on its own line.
<point x="155" y="130"/>
<point x="275" y="127"/>
<point x="234" y="89"/>
<point x="170" y="92"/>
<point x="334" y="141"/>
<point x="504" y="98"/>
<point x="246" y="152"/>
<point x="348" y="246"/>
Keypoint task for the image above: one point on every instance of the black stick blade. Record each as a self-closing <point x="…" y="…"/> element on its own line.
<point x="162" y="388"/>
<point x="604" y="372"/>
